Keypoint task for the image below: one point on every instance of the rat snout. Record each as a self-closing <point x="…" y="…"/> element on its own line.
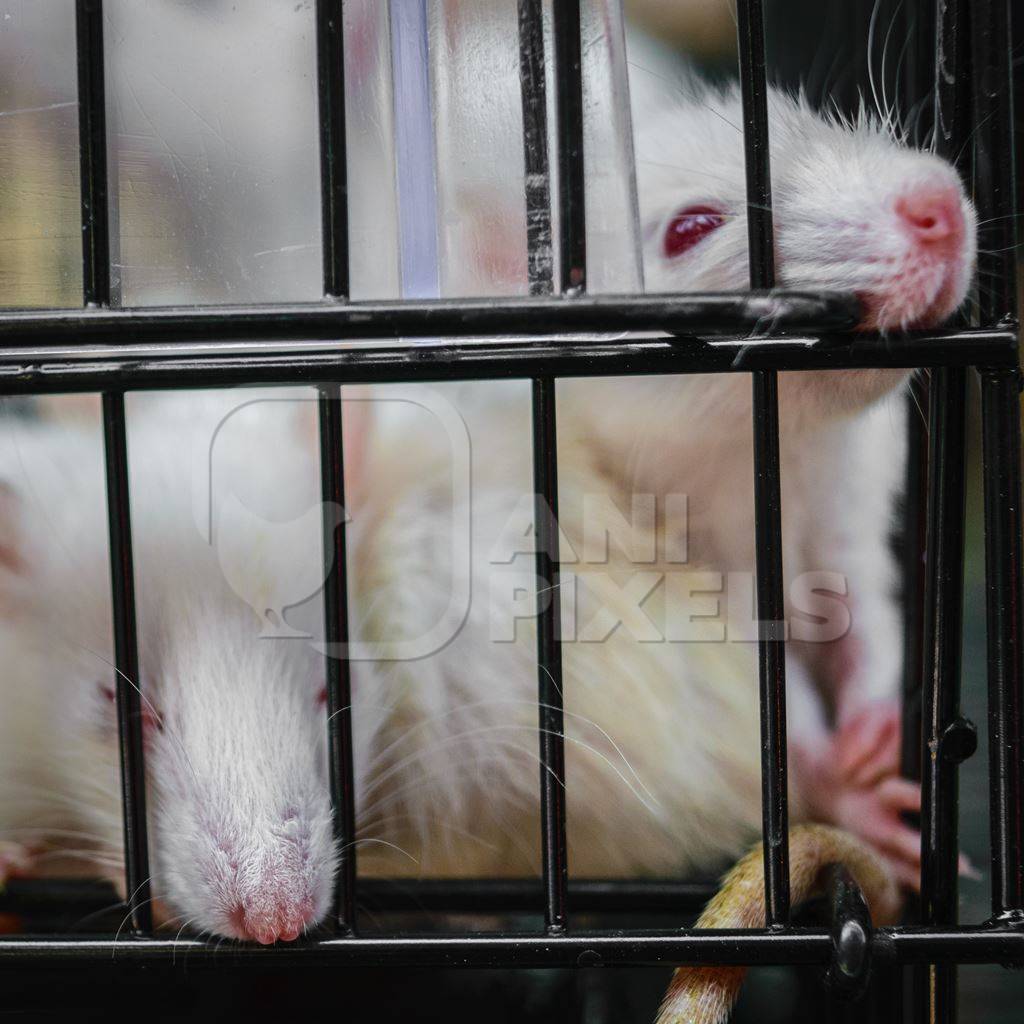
<point x="267" y="916"/>
<point x="273" y="896"/>
<point x="932" y="216"/>
<point x="920" y="266"/>
<point x="265" y="878"/>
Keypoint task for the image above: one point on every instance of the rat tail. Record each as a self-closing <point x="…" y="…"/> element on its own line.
<point x="705" y="995"/>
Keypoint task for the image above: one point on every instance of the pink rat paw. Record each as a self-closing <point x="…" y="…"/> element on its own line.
<point x="866" y="744"/>
<point x="855" y="784"/>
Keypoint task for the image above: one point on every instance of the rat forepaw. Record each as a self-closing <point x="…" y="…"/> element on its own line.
<point x="856" y="785"/>
<point x="866" y="747"/>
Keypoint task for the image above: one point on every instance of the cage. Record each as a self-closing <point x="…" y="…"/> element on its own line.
<point x="581" y="310"/>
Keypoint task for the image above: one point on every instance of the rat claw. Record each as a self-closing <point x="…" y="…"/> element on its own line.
<point x="906" y="842"/>
<point x="900" y="794"/>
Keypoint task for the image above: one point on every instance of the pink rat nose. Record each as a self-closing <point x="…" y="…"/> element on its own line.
<point x="932" y="215"/>
<point x="270" y="921"/>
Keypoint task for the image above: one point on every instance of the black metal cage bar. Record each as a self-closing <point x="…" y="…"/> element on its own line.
<point x="330" y="61"/>
<point x="761" y="332"/>
<point x="1004" y="582"/>
<point x="767" y="496"/>
<point x="96" y="293"/>
<point x="943" y="727"/>
<point x="42" y="369"/>
<point x="334" y="238"/>
<point x="693" y="314"/>
<point x="339" y="689"/>
<point x="551" y="719"/>
<point x="946" y="735"/>
<point x="571" y="183"/>
<point x="997" y="264"/>
<point x="92" y="145"/>
<point x="791" y="946"/>
<point x="126" y="662"/>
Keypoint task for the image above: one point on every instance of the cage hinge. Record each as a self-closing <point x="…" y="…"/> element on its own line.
<point x="959" y="740"/>
<point x="850" y="965"/>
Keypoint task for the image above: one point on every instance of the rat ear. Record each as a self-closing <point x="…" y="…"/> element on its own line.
<point x="12" y="558"/>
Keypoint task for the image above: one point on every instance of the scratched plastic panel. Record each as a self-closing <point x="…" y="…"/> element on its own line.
<point x="214" y="159"/>
<point x="435" y="155"/>
<point x="614" y="262"/>
<point x="40" y="237"/>
<point x="481" y="219"/>
<point x="481" y="227"/>
<point x="371" y="117"/>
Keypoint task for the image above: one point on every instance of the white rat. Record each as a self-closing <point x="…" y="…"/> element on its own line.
<point x="241" y="835"/>
<point x="855" y="212"/>
<point x="662" y="752"/>
<point x="663" y="744"/>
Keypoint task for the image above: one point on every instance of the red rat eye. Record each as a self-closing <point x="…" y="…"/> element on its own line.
<point x="688" y="227"/>
<point x="321" y="697"/>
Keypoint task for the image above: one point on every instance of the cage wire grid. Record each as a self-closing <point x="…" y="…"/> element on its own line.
<point x="763" y="331"/>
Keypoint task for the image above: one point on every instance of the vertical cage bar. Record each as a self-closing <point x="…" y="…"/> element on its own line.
<point x="549" y="656"/>
<point x="767" y="497"/>
<point x="916" y="86"/>
<point x="92" y="153"/>
<point x="330" y="56"/>
<point x="754" y="91"/>
<point x="1000" y="401"/>
<point x="539" y="254"/>
<point x="944" y="561"/>
<point x="941" y="681"/>
<point x="994" y="171"/>
<point x="914" y="536"/>
<point x="545" y="440"/>
<point x="995" y="199"/>
<point x="569" y="107"/>
<point x="334" y="206"/>
<point x="914" y="555"/>
<point x="92" y="141"/>
<point x="339" y="690"/>
<point x="126" y="660"/>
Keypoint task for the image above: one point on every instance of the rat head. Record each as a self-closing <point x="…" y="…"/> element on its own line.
<point x="234" y="729"/>
<point x="234" y="722"/>
<point x="241" y="816"/>
<point x="854" y="210"/>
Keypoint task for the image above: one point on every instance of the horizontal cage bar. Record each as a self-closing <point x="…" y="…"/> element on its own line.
<point x="703" y="313"/>
<point x="982" y="944"/>
<point x="48" y="370"/>
<point x="27" y="896"/>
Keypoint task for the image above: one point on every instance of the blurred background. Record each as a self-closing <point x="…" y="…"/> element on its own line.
<point x="214" y="166"/>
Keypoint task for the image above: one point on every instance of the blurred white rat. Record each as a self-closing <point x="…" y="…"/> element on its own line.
<point x="662" y="735"/>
